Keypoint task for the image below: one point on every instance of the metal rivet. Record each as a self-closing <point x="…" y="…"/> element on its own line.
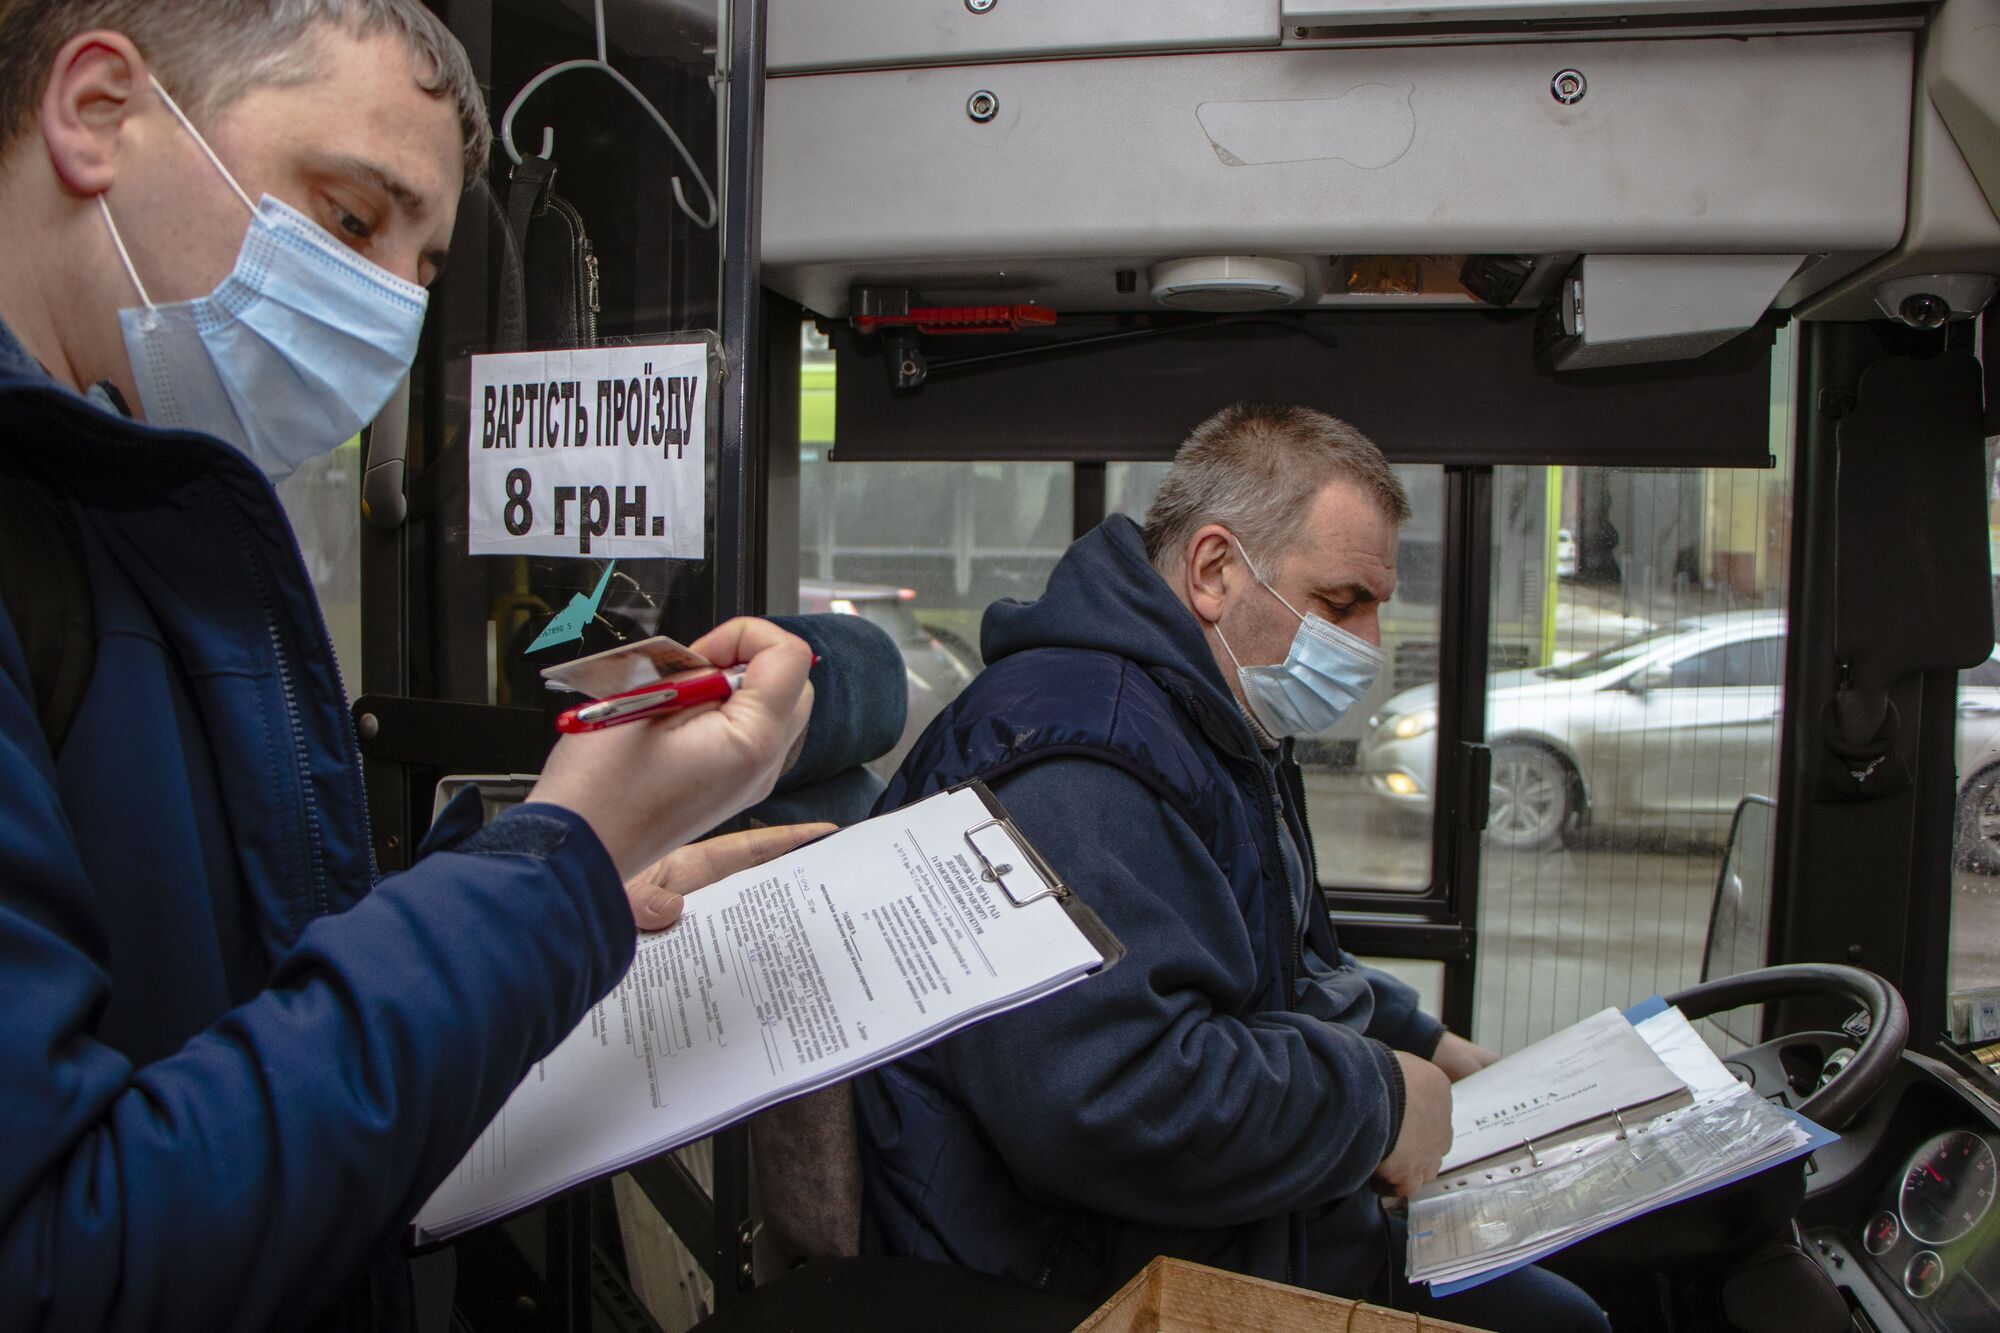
<point x="1568" y="86"/>
<point x="982" y="106"/>
<point x="368" y="726"/>
<point x="980" y="6"/>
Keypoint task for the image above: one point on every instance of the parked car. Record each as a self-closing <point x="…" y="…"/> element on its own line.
<point x="936" y="665"/>
<point x="1668" y="729"/>
<point x="1978" y="826"/>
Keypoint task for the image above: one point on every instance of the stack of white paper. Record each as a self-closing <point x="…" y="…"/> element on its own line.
<point x="1464" y="1231"/>
<point x="838" y="957"/>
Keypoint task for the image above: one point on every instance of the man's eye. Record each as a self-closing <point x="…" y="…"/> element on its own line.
<point x="354" y="226"/>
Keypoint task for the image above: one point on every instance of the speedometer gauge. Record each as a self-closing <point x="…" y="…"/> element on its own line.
<point x="1947" y="1187"/>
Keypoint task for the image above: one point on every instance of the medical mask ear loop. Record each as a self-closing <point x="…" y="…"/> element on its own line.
<point x="1251" y="566"/>
<point x="104" y="205"/>
<point x="124" y="255"/>
<point x="201" y="143"/>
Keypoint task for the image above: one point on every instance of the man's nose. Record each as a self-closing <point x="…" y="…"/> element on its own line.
<point x="1366" y="623"/>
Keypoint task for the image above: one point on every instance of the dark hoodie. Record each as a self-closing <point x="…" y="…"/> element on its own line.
<point x="1197" y="1100"/>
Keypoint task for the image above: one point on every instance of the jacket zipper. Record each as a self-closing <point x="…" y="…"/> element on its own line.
<point x="318" y="903"/>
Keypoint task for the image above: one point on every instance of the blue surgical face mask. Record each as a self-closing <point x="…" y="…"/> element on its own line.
<point x="1327" y="672"/>
<point x="298" y="349"/>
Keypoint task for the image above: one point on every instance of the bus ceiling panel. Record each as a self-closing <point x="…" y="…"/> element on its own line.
<point x="1036" y="181"/>
<point x="1954" y="207"/>
<point x="1429" y="387"/>
<point x="860" y="34"/>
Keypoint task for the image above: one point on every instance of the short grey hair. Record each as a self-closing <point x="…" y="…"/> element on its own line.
<point x="1256" y="470"/>
<point x="208" y="53"/>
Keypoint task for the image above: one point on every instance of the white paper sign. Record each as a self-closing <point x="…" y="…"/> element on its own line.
<point x="599" y="451"/>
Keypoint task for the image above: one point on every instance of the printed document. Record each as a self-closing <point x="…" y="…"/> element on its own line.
<point x="1582" y="1074"/>
<point x="840" y="956"/>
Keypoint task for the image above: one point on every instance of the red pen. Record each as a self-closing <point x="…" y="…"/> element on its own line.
<point x="672" y="695"/>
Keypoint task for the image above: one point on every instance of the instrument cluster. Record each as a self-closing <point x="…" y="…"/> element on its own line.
<point x="1932" y="1236"/>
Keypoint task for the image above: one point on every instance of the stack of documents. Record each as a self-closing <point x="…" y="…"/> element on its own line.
<point x="1606" y="1120"/>
<point x="841" y="956"/>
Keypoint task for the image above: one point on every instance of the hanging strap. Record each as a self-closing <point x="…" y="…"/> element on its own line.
<point x="527" y="196"/>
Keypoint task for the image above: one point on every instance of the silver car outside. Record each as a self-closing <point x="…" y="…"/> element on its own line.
<point x="1666" y="731"/>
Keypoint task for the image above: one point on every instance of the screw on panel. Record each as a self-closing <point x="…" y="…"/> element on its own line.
<point x="982" y="106"/>
<point x="981" y="6"/>
<point x="1568" y="86"/>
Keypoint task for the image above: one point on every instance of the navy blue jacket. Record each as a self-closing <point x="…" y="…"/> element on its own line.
<point x="1196" y="1100"/>
<point x="234" y="1064"/>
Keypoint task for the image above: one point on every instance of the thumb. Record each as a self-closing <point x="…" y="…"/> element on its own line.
<point x="657" y="908"/>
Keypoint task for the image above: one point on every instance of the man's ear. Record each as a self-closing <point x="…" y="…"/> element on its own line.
<point x="1211" y="571"/>
<point x="98" y="81"/>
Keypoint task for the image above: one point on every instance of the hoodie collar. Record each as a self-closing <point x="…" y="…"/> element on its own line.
<point x="1105" y="596"/>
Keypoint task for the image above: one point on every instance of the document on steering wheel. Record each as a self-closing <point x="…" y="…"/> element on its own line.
<point x="843" y="955"/>
<point x="1471" y="1226"/>
<point x="1594" y="1071"/>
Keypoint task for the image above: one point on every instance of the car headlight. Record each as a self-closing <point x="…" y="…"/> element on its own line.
<point x="1412" y="725"/>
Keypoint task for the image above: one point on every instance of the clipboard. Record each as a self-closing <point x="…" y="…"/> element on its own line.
<point x="1013" y="864"/>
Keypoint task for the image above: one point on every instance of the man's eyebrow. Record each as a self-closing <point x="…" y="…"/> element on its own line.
<point x="402" y="192"/>
<point x="1358" y="593"/>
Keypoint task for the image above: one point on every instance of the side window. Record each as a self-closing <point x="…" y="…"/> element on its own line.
<point x="1748" y="663"/>
<point x="1765" y="665"/>
<point x="1706" y="671"/>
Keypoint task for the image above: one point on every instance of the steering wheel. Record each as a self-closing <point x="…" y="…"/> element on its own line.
<point x="1848" y="1093"/>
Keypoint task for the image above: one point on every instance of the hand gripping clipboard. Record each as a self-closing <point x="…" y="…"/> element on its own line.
<point x="1023" y="875"/>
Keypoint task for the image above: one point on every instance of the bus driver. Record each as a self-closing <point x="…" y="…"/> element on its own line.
<point x="1230" y="1092"/>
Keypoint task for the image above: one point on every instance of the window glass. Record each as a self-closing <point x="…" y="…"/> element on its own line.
<point x="1369" y="777"/>
<point x="1975" y="901"/>
<point x="1615" y="785"/>
<point x="921" y="549"/>
<point x="1621" y="751"/>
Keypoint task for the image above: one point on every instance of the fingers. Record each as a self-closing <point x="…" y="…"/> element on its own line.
<point x="700" y="864"/>
<point x="777" y="660"/>
<point x="653" y="907"/>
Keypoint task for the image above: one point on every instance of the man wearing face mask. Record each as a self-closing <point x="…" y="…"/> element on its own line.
<point x="235" y="1064"/>
<point x="1238" y="1090"/>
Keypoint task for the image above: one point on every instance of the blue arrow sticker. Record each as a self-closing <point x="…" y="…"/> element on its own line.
<point x="572" y="620"/>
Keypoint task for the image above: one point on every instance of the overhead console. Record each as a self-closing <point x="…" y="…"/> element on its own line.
<point x="1654" y="177"/>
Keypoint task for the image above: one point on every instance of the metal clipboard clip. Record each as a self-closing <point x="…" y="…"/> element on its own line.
<point x="996" y="872"/>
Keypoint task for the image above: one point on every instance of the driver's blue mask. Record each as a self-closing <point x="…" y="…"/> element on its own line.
<point x="296" y="351"/>
<point x="1327" y="672"/>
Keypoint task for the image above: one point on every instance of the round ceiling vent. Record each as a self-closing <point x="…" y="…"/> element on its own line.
<point x="1228" y="282"/>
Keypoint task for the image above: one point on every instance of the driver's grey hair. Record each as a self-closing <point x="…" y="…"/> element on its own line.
<point x="1257" y="470"/>
<point x="208" y="53"/>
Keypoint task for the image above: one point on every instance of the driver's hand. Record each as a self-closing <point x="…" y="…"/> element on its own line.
<point x="1458" y="1057"/>
<point x="659" y="892"/>
<point x="1419" y="1150"/>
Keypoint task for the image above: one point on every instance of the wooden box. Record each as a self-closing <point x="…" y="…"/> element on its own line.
<point x="1174" y="1296"/>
